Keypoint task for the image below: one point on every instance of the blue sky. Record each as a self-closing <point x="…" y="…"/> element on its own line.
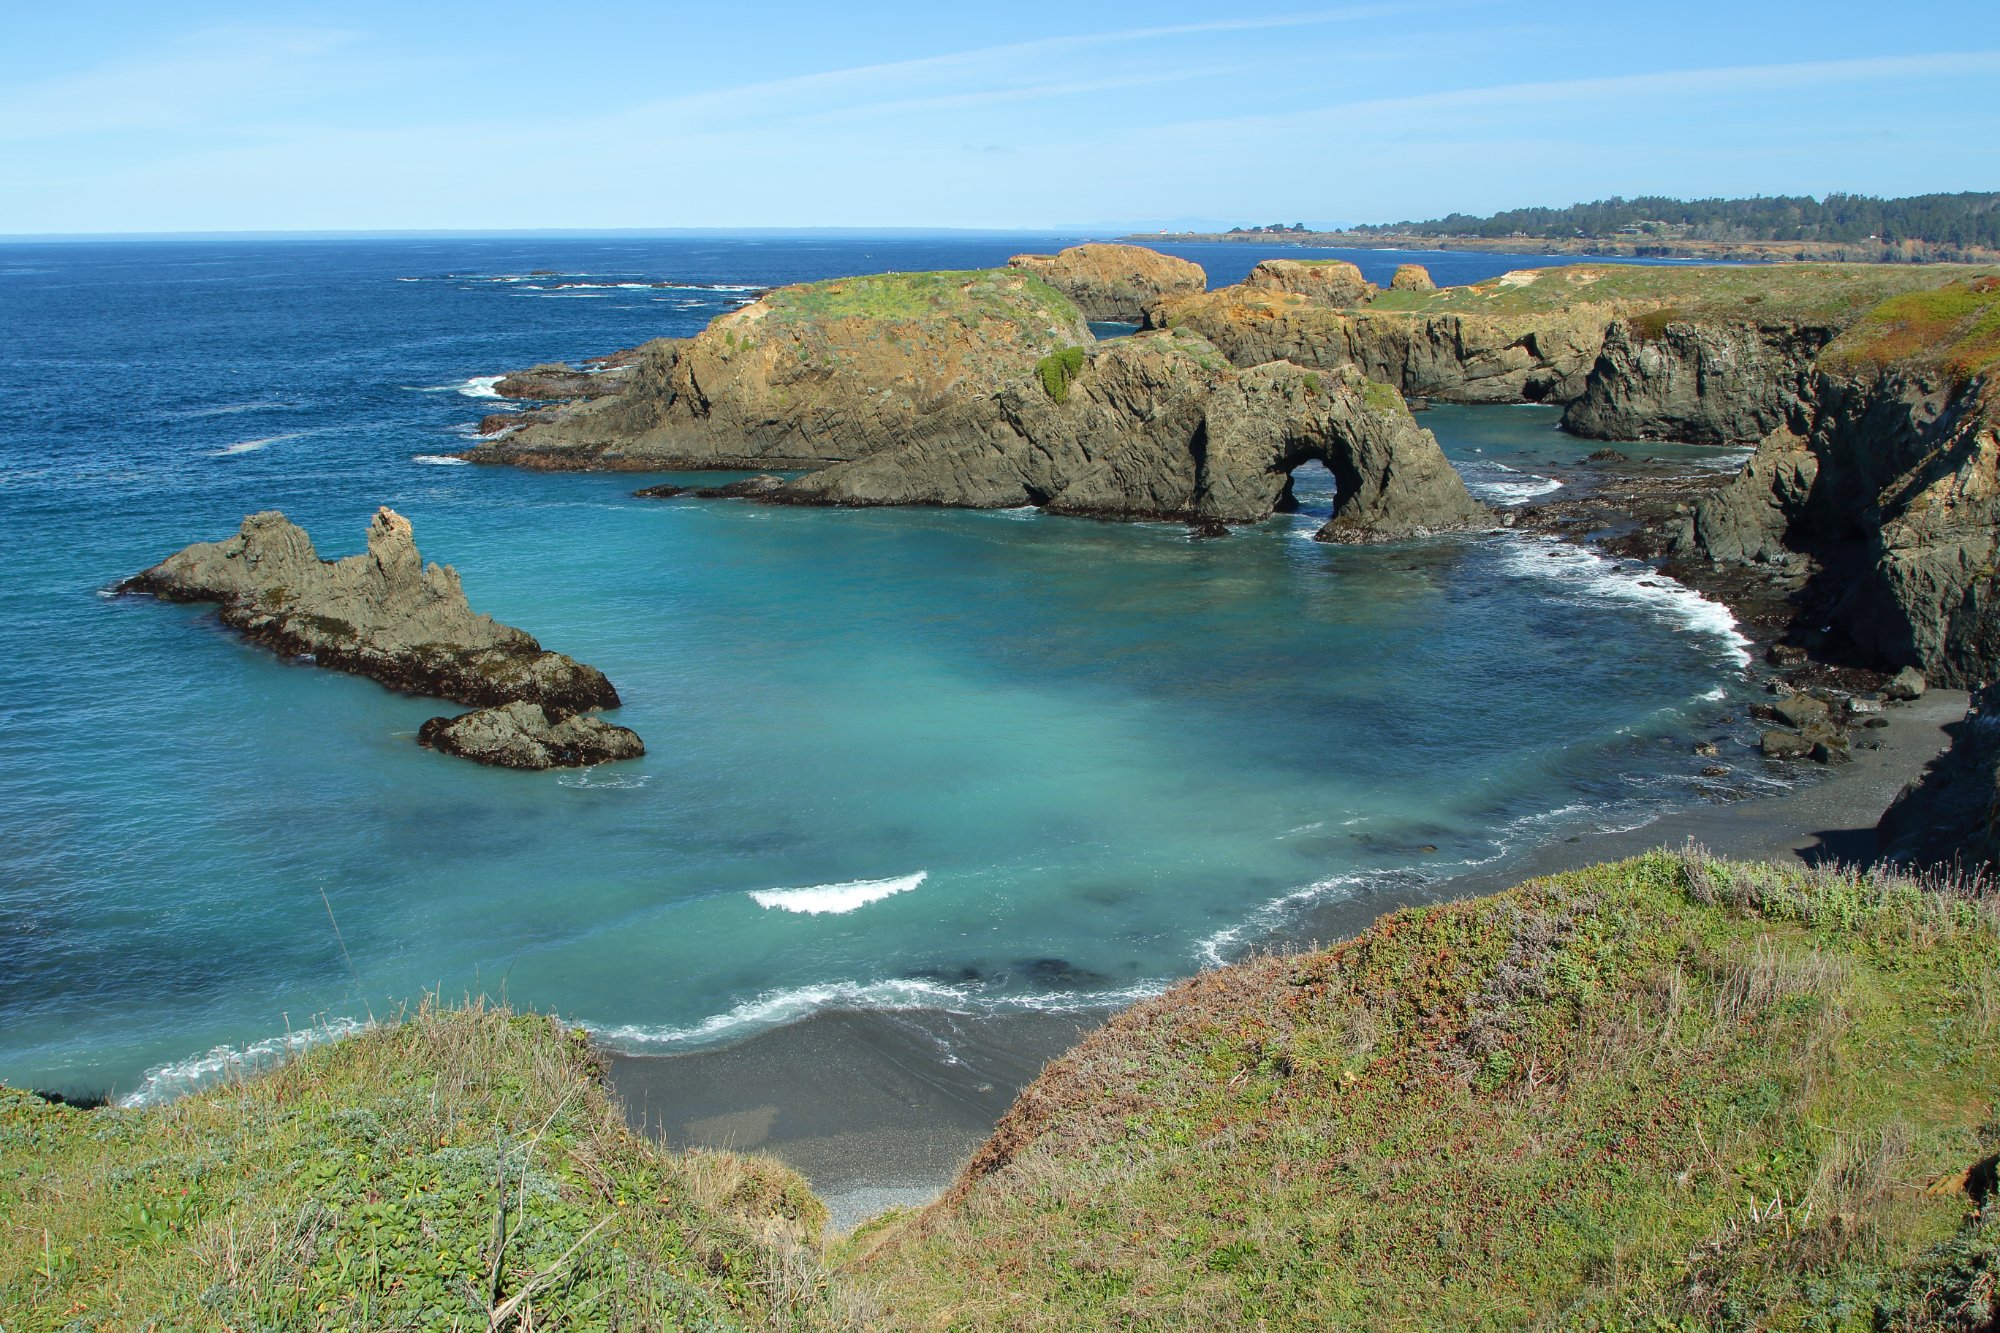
<point x="231" y="116"/>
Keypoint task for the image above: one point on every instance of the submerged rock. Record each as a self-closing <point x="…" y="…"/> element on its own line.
<point x="527" y="735"/>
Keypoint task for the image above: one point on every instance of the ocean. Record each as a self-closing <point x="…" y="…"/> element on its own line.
<point x="969" y="760"/>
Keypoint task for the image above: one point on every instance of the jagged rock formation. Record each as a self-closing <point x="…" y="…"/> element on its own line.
<point x="1114" y="282"/>
<point x="383" y="614"/>
<point x="527" y="735"/>
<point x="1333" y="282"/>
<point x="1467" y="357"/>
<point x="556" y="381"/>
<point x="1160" y="425"/>
<point x="987" y="390"/>
<point x="1886" y="478"/>
<point x="1412" y="278"/>
<point x="1950" y="817"/>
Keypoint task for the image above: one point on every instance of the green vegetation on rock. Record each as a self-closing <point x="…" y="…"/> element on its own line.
<point x="1954" y="329"/>
<point x="1671" y="1093"/>
<point x="970" y="294"/>
<point x="1058" y="370"/>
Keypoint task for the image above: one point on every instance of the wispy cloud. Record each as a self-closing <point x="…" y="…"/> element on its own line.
<point x="190" y="80"/>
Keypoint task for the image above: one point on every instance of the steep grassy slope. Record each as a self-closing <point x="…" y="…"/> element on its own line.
<point x="1664" y="1094"/>
<point x="367" y="1185"/>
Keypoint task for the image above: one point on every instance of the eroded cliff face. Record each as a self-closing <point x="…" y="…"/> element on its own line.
<point x="1886" y="479"/>
<point x="986" y="390"/>
<point x="1461" y="358"/>
<point x="1161" y="425"/>
<point x="1114" y="282"/>
<point x="1331" y="282"/>
<point x="1707" y="382"/>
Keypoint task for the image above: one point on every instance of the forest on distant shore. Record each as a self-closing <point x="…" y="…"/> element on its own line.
<point x="1966" y="220"/>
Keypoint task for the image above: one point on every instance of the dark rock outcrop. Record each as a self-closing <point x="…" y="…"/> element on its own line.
<point x="526" y="735"/>
<point x="386" y="615"/>
<point x="383" y="614"/>
<point x="557" y="382"/>
<point x="1949" y="819"/>
<point x="1700" y="382"/>
<point x="1114" y="282"/>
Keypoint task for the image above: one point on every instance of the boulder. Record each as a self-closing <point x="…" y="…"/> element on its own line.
<point x="1331" y="282"/>
<point x="382" y="614"/>
<point x="1905" y="685"/>
<point x="1412" y="278"/>
<point x="1784" y="745"/>
<point x="1801" y="709"/>
<point x="557" y="382"/>
<point x="526" y="735"/>
<point x="1120" y="283"/>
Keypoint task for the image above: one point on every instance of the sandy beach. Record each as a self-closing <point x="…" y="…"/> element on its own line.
<point x="878" y="1109"/>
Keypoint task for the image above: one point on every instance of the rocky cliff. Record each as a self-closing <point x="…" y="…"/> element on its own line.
<point x="1114" y="282"/>
<point x="383" y="614"/>
<point x="1331" y="282"/>
<point x="810" y="375"/>
<point x="987" y="390"/>
<point x="1885" y="477"/>
<point x="1161" y="425"/>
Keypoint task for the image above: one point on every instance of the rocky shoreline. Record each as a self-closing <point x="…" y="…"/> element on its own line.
<point x="386" y="615"/>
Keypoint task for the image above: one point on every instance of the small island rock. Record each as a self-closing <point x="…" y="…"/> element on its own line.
<point x="526" y="735"/>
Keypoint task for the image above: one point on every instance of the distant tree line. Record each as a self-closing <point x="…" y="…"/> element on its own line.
<point x="1938" y="219"/>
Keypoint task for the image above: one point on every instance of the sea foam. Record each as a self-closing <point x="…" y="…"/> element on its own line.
<point x="252" y="446"/>
<point x="835" y="898"/>
<point x="201" y="1071"/>
<point x="1578" y="573"/>
<point x="480" y="386"/>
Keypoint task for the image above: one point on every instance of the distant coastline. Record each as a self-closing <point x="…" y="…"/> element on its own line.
<point x="1601" y="247"/>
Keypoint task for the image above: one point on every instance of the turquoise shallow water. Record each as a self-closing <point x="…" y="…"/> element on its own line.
<point x="1034" y="762"/>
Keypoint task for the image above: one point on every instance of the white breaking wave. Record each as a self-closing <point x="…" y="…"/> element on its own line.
<point x="1513" y="492"/>
<point x="440" y="460"/>
<point x="252" y="446"/>
<point x="1584" y="573"/>
<point x="776" y="1008"/>
<point x="197" y="1072"/>
<point x="480" y="386"/>
<point x="229" y="411"/>
<point x="837" y="897"/>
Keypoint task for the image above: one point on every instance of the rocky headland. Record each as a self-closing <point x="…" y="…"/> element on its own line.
<point x="387" y="615"/>
<point x="987" y="390"/>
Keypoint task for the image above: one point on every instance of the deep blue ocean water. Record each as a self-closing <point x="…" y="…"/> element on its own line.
<point x="1017" y="761"/>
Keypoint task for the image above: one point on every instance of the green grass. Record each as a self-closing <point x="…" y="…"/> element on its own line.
<point x="364" y="1186"/>
<point x="1671" y="1093"/>
<point x="1954" y="328"/>
<point x="1781" y="291"/>
<point x="1011" y="294"/>
<point x="1665" y="1094"/>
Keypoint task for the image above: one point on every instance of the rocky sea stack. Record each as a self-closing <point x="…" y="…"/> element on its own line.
<point x="1114" y="283"/>
<point x="527" y="735"/>
<point x="383" y="614"/>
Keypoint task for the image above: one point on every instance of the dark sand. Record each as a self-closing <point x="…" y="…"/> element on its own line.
<point x="878" y="1109"/>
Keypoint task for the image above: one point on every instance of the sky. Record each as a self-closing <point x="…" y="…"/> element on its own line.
<point x="423" y="115"/>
